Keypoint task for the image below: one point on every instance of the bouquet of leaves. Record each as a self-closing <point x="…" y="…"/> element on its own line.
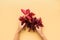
<point x="30" y="21"/>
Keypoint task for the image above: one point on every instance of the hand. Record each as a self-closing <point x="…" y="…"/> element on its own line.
<point x="20" y="27"/>
<point x="40" y="32"/>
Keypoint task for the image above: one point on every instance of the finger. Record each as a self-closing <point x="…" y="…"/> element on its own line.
<point x="37" y="28"/>
<point x="23" y="25"/>
<point x="41" y="28"/>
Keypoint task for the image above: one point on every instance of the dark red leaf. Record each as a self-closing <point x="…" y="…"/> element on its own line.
<point x="23" y="11"/>
<point x="27" y="11"/>
<point x="30" y="21"/>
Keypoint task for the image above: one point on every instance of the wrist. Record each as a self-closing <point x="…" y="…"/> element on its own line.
<point x="42" y="36"/>
<point x="18" y="31"/>
<point x="39" y="32"/>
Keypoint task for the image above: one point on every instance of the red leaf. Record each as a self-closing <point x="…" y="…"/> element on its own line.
<point x="27" y="11"/>
<point x="21" y="19"/>
<point x="31" y="14"/>
<point x="23" y="11"/>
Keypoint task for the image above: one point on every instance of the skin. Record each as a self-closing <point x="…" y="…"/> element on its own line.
<point x="39" y="31"/>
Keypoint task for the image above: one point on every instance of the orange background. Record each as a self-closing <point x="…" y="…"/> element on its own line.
<point x="49" y="10"/>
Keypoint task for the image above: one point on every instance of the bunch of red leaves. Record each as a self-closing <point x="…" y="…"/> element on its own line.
<point x="30" y="21"/>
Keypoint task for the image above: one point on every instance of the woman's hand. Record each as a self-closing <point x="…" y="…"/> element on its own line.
<point x="20" y="27"/>
<point x="40" y="32"/>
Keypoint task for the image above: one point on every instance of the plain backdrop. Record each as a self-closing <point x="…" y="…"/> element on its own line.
<point x="48" y="10"/>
